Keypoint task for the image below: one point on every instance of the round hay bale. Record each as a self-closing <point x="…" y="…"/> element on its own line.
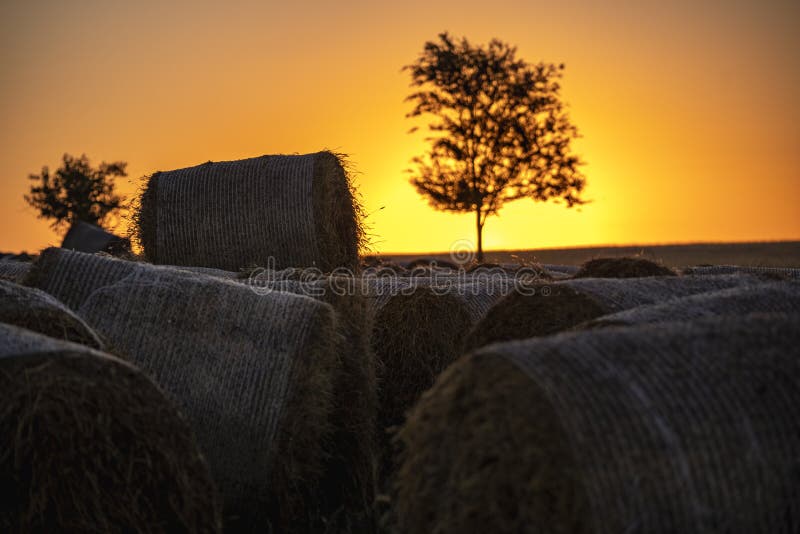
<point x="779" y="273"/>
<point x="664" y="428"/>
<point x="347" y="491"/>
<point x="35" y="310"/>
<point x="253" y="374"/>
<point x="415" y="335"/>
<point x="622" y="267"/>
<point x="544" y="309"/>
<point x="13" y="271"/>
<point x="771" y="297"/>
<point x="72" y="276"/>
<point x="282" y="211"/>
<point x="91" y="445"/>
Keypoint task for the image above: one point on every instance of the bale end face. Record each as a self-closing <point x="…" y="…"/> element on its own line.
<point x="337" y="213"/>
<point x="415" y="337"/>
<point x="624" y="267"/>
<point x="549" y="309"/>
<point x="91" y="445"/>
<point x="144" y="229"/>
<point x="483" y="451"/>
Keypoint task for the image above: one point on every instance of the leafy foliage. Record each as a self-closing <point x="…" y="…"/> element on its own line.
<point x="77" y="192"/>
<point x="501" y="129"/>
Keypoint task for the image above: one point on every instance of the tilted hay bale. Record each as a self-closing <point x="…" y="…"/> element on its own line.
<point x="72" y="276"/>
<point x="294" y="211"/>
<point x="13" y="271"/>
<point x="35" y="310"/>
<point x="622" y="267"/>
<point x="771" y="297"/>
<point x="348" y="487"/>
<point x="544" y="309"/>
<point x="90" y="444"/>
<point x="252" y="373"/>
<point x="775" y="272"/>
<point x="664" y="428"/>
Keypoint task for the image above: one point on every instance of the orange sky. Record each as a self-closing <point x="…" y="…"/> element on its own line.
<point x="688" y="110"/>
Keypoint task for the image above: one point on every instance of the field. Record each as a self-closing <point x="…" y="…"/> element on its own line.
<point x="763" y="254"/>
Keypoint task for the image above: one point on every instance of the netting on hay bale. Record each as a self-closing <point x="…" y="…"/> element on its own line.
<point x="777" y="272"/>
<point x="769" y="297"/>
<point x="35" y="310"/>
<point x="348" y="486"/>
<point x="674" y="427"/>
<point x="91" y="445"/>
<point x="282" y="211"/>
<point x="545" y="309"/>
<point x="13" y="271"/>
<point x="72" y="276"/>
<point x="252" y="373"/>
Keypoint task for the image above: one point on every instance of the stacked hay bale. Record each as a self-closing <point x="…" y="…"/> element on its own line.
<point x="544" y="309"/>
<point x="252" y="373"/>
<point x="276" y="211"/>
<point x="418" y="328"/>
<point x="35" y="310"/>
<point x="621" y="267"/>
<point x="771" y="297"/>
<point x="13" y="271"/>
<point x="776" y="272"/>
<point x="90" y="444"/>
<point x="348" y="487"/>
<point x="664" y="428"/>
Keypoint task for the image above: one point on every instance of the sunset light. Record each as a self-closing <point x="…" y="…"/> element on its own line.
<point x="689" y="120"/>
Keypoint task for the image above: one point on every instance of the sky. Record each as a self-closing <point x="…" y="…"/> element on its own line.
<point x="688" y="110"/>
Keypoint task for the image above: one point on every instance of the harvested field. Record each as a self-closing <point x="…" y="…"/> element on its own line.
<point x="90" y="444"/>
<point x="653" y="428"/>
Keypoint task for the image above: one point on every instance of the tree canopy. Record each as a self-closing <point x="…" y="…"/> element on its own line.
<point x="500" y="131"/>
<point x="77" y="192"/>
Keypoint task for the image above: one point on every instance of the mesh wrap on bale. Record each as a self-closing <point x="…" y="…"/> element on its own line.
<point x="545" y="309"/>
<point x="772" y="297"/>
<point x="675" y="427"/>
<point x="35" y="310"/>
<point x="13" y="271"/>
<point x="348" y="487"/>
<point x="252" y="373"/>
<point x="91" y="445"/>
<point x="72" y="276"/>
<point x="283" y="211"/>
<point x="779" y="272"/>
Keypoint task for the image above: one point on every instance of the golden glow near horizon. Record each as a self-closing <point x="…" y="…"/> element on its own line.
<point x="690" y="123"/>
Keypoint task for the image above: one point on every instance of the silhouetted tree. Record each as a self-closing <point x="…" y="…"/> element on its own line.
<point x="77" y="192"/>
<point x="502" y="132"/>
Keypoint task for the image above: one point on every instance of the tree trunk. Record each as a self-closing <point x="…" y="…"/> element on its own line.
<point x="479" y="228"/>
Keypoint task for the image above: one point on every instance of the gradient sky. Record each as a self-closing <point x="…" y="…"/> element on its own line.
<point x="688" y="110"/>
